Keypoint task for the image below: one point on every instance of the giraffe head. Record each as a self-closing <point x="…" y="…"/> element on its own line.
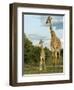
<point x="41" y="43"/>
<point x="48" y="21"/>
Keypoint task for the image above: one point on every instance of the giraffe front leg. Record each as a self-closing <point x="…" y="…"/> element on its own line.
<point x="52" y="55"/>
<point x="53" y="58"/>
<point x="40" y="64"/>
<point x="44" y="65"/>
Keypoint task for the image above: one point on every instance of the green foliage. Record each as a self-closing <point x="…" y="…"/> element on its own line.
<point x="27" y="50"/>
<point x="31" y="52"/>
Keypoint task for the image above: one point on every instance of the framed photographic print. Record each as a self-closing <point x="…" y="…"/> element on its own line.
<point x="40" y="44"/>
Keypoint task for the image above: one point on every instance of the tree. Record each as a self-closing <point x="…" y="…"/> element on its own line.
<point x="27" y="50"/>
<point x="31" y="52"/>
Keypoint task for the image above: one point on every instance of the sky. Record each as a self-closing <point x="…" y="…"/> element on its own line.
<point x="35" y="28"/>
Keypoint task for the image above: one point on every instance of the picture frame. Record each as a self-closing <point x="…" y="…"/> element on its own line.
<point x="20" y="13"/>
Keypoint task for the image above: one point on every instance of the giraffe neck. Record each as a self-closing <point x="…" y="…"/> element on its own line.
<point x="50" y="27"/>
<point x="53" y="35"/>
<point x="42" y="48"/>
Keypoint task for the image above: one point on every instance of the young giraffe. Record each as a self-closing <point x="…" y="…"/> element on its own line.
<point x="42" y="56"/>
<point x="55" y="42"/>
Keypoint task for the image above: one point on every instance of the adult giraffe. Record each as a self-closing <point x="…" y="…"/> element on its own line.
<point x="55" y="43"/>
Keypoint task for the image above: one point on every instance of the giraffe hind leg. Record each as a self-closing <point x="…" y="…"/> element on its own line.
<point x="59" y="57"/>
<point x="53" y="58"/>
